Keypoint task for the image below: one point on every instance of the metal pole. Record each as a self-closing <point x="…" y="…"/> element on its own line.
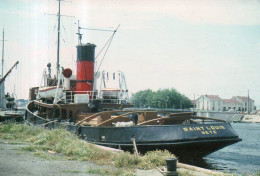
<point x="194" y="102"/>
<point x="248" y="102"/>
<point x="58" y="47"/>
<point x="2" y="91"/>
<point x="3" y="47"/>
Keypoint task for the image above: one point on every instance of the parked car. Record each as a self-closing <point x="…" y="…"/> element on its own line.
<point x="231" y="110"/>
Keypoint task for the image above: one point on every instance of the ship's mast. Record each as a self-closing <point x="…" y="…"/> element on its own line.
<point x="3" y="47"/>
<point x="2" y="87"/>
<point x="58" y="46"/>
<point x="79" y="35"/>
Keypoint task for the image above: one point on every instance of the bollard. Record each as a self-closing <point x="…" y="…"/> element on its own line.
<point x="171" y="166"/>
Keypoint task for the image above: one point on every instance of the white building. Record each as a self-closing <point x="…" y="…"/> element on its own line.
<point x="246" y="103"/>
<point x="232" y="104"/>
<point x="209" y="102"/>
<point x="215" y="103"/>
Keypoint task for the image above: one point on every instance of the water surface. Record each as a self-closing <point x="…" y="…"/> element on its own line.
<point x="242" y="157"/>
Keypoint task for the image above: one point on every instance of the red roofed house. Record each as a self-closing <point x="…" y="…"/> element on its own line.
<point x="246" y="103"/>
<point x="215" y="103"/>
<point x="232" y="104"/>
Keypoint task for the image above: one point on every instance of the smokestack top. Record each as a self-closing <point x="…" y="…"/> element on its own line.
<point x="86" y="52"/>
<point x="86" y="45"/>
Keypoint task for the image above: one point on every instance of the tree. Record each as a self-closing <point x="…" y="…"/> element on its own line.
<point x="163" y="98"/>
<point x="141" y="98"/>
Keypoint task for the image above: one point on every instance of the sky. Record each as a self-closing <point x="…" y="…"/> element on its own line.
<point x="197" y="47"/>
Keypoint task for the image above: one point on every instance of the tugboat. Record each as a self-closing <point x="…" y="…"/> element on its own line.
<point x="99" y="116"/>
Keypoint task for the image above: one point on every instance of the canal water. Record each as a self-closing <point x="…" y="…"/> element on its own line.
<point x="242" y="157"/>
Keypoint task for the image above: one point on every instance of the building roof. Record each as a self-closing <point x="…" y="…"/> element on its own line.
<point x="213" y="97"/>
<point x="193" y="101"/>
<point x="231" y="101"/>
<point x="243" y="98"/>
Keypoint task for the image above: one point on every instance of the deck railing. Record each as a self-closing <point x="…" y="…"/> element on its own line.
<point x="103" y="96"/>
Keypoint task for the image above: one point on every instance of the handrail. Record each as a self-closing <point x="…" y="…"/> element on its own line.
<point x="89" y="117"/>
<point x="115" y="118"/>
<point x="207" y="118"/>
<point x="181" y="113"/>
<point x="152" y="120"/>
<point x="69" y="96"/>
<point x="172" y="117"/>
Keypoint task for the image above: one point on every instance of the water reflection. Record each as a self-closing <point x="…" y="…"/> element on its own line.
<point x="199" y="162"/>
<point x="242" y="157"/>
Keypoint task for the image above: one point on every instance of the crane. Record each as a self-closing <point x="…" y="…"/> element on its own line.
<point x="9" y="71"/>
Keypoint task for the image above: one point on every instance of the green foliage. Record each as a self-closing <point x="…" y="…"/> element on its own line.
<point x="58" y="140"/>
<point x="150" y="160"/>
<point x="18" y="131"/>
<point x="143" y="98"/>
<point x="103" y="172"/>
<point x="67" y="143"/>
<point x="33" y="148"/>
<point x="109" y="171"/>
<point x="185" y="173"/>
<point x="68" y="146"/>
<point x="72" y="171"/>
<point x="163" y="98"/>
<point x="127" y="160"/>
<point x="155" y="159"/>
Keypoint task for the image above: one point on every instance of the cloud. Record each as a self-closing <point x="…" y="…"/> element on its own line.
<point x="232" y="12"/>
<point x="26" y="10"/>
<point x="258" y="46"/>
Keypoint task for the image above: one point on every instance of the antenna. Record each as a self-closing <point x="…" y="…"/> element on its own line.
<point x="3" y="48"/>
<point x="104" y="30"/>
<point x="2" y="87"/>
<point x="79" y="34"/>
<point x="58" y="46"/>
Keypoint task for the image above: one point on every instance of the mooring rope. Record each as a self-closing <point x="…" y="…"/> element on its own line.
<point x="135" y="147"/>
<point x="48" y="123"/>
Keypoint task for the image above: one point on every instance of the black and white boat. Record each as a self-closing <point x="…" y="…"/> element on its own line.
<point x="98" y="115"/>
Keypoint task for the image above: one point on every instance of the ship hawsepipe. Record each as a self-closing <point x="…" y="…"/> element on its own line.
<point x="184" y="140"/>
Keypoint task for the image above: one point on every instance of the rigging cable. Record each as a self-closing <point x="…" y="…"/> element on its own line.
<point x="105" y="52"/>
<point x="104" y="46"/>
<point x="109" y="43"/>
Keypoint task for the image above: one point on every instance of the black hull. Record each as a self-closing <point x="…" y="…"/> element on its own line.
<point x="185" y="150"/>
<point x="184" y="144"/>
<point x="16" y="116"/>
<point x="184" y="140"/>
<point x="11" y="118"/>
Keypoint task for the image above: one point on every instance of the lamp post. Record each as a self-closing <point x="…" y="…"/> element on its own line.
<point x="166" y="102"/>
<point x="248" y="102"/>
<point x="140" y="101"/>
